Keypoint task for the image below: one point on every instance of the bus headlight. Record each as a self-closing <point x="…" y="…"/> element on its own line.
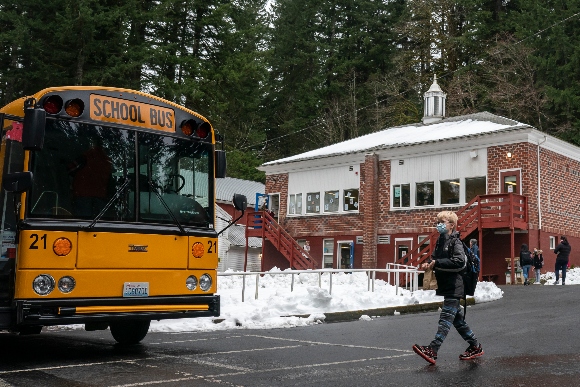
<point x="205" y="282"/>
<point x="66" y="284"/>
<point x="191" y="282"/>
<point x="43" y="284"/>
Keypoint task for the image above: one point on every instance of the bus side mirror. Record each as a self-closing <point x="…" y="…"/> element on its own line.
<point x="17" y="181"/>
<point x="240" y="202"/>
<point x="33" y="129"/>
<point x="220" y="164"/>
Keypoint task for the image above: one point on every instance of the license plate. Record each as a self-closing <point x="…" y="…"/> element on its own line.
<point x="136" y="289"/>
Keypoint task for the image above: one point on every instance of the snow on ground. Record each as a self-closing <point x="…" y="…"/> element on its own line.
<point x="277" y="306"/>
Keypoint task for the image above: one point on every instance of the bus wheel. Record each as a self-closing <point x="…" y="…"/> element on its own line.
<point x="129" y="332"/>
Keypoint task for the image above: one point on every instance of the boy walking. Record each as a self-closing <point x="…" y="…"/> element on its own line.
<point x="448" y="260"/>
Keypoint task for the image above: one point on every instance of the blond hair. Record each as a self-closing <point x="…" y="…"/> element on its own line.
<point x="449" y="216"/>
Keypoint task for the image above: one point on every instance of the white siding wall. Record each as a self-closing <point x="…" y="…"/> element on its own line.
<point x="235" y="259"/>
<point x="456" y="165"/>
<point x="320" y="180"/>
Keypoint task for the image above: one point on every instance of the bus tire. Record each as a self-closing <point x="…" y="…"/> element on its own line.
<point x="129" y="332"/>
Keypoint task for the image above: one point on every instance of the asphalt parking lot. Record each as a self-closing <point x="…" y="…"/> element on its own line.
<point x="529" y="338"/>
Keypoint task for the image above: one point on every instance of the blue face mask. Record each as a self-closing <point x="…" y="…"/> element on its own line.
<point x="441" y="228"/>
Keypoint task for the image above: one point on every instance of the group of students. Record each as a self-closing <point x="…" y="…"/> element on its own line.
<point x="536" y="259"/>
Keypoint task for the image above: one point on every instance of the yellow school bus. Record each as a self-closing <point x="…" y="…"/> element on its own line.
<point x="107" y="211"/>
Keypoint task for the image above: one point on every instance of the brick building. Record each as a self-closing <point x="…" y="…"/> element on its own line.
<point x="373" y="200"/>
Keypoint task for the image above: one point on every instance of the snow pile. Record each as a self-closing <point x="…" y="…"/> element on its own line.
<point x="572" y="277"/>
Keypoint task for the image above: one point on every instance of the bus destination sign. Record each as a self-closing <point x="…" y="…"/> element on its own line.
<point x="122" y="111"/>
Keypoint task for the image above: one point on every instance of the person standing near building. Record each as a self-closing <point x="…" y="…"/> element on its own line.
<point x="474" y="248"/>
<point x="563" y="254"/>
<point x="538" y="259"/>
<point x="526" y="262"/>
<point x="448" y="260"/>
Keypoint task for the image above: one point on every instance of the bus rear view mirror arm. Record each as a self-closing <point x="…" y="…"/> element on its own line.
<point x="240" y="203"/>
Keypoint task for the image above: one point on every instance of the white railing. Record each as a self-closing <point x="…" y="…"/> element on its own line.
<point x="411" y="276"/>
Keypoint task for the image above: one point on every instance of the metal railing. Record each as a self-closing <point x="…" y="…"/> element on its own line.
<point x="411" y="274"/>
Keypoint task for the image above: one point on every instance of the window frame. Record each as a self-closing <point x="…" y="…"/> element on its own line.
<point x="417" y="191"/>
<point x="458" y="182"/>
<point x="400" y="195"/>
<point x="343" y="208"/>
<point x="307" y="200"/>
<point x="336" y="194"/>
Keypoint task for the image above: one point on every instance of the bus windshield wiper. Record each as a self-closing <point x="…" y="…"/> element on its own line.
<point x="154" y="189"/>
<point x="110" y="202"/>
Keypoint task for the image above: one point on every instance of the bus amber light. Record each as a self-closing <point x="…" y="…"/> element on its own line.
<point x="53" y="104"/>
<point x="74" y="107"/>
<point x="62" y="246"/>
<point x="197" y="250"/>
<point x="187" y="127"/>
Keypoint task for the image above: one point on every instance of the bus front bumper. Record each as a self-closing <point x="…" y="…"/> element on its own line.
<point x="88" y="310"/>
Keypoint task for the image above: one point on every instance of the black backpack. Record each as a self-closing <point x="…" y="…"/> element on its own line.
<point x="470" y="274"/>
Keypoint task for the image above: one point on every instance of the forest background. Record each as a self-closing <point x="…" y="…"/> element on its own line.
<point x="281" y="77"/>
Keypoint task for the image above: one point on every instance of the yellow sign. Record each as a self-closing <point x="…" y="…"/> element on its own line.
<point x="133" y="113"/>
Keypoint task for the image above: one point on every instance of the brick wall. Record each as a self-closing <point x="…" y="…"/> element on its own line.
<point x="369" y="193"/>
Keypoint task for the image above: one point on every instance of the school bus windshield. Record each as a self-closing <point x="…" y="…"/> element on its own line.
<point x="83" y="168"/>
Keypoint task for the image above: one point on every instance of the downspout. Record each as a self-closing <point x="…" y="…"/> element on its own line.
<point x="539" y="201"/>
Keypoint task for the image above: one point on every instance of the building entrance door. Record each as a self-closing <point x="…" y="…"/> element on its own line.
<point x="345" y="255"/>
<point x="402" y="247"/>
<point x="510" y="181"/>
<point x="274" y="205"/>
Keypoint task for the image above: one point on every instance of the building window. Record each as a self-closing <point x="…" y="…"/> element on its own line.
<point x="313" y="203"/>
<point x="327" y="253"/>
<point x="552" y="242"/>
<point x="449" y="191"/>
<point x="331" y="200"/>
<point x="402" y="195"/>
<point x="351" y="199"/>
<point x="425" y="194"/>
<point x="295" y="204"/>
<point x="474" y="186"/>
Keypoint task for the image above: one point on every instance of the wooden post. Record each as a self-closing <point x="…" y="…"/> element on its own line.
<point x="513" y="253"/>
<point x="512" y="242"/>
<point x="480" y="239"/>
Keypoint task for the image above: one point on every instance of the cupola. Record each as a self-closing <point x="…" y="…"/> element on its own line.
<point x="434" y="103"/>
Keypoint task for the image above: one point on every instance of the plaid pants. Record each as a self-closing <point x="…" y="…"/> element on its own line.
<point x="451" y="314"/>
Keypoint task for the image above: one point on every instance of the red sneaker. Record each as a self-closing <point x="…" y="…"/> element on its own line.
<point x="426" y="353"/>
<point x="471" y="352"/>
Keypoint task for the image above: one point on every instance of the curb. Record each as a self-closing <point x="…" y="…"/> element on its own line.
<point x="390" y="311"/>
<point x="353" y="315"/>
